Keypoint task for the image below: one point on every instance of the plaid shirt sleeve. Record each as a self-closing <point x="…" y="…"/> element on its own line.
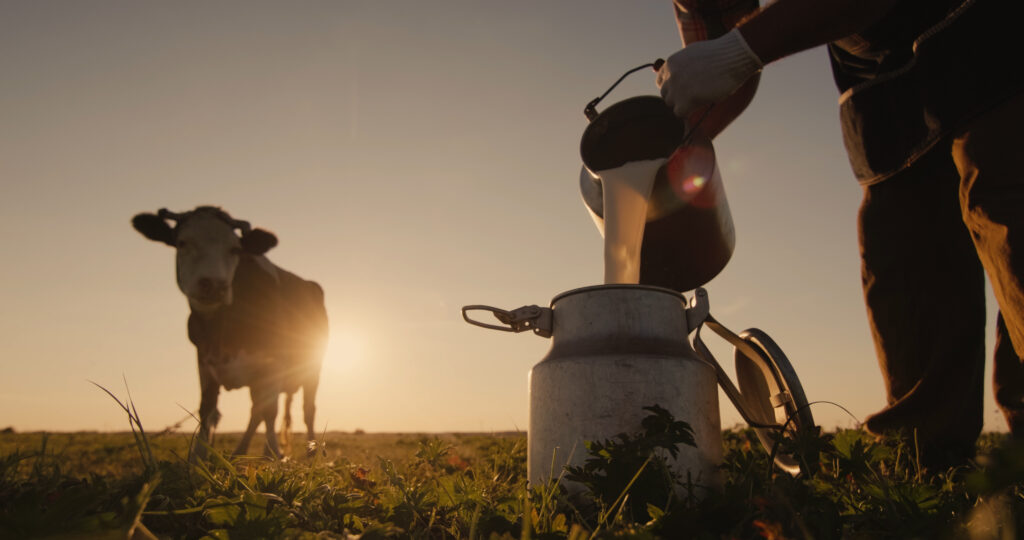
<point x="699" y="20"/>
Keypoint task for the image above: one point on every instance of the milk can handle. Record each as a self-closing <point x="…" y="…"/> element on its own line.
<point x="590" y="111"/>
<point x="521" y="319"/>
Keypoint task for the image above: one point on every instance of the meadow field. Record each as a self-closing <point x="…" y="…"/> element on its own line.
<point x="376" y="485"/>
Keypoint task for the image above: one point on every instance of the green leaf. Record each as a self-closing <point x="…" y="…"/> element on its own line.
<point x="255" y="505"/>
<point x="655" y="512"/>
<point x="223" y="512"/>
<point x="559" y="524"/>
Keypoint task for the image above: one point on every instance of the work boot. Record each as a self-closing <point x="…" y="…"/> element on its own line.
<point x="934" y="456"/>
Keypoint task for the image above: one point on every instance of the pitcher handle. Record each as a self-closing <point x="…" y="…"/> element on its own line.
<point x="590" y="111"/>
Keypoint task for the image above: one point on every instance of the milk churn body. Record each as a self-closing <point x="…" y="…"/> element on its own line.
<point x="616" y="349"/>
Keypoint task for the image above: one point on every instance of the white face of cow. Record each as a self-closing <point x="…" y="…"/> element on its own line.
<point x="208" y="251"/>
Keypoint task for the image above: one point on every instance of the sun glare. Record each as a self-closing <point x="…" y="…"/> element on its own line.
<point x="344" y="347"/>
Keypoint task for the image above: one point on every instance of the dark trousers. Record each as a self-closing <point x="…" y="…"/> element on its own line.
<point x="928" y="236"/>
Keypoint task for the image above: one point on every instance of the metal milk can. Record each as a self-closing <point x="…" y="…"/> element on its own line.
<point x="616" y="349"/>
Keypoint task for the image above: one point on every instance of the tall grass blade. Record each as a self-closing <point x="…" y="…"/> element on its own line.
<point x="620" y="500"/>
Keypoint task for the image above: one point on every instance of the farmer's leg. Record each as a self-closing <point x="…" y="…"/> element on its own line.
<point x="924" y="290"/>
<point x="989" y="158"/>
<point x="1009" y="374"/>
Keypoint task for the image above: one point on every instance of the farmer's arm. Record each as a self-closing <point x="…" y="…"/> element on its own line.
<point x="787" y="27"/>
<point x="697" y="25"/>
<point x="712" y="71"/>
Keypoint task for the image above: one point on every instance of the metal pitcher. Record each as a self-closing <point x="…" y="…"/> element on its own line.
<point x="689" y="235"/>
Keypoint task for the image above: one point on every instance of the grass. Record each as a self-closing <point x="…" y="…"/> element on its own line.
<point x="117" y="485"/>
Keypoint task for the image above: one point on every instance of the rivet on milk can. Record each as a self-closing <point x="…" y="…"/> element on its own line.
<point x="616" y="349"/>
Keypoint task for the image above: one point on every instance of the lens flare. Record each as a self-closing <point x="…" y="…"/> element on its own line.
<point x="693" y="184"/>
<point x="691" y="175"/>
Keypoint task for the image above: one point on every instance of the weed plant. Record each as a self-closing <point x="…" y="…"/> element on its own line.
<point x="72" y="486"/>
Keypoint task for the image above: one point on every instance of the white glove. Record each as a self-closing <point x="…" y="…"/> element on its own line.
<point x="706" y="72"/>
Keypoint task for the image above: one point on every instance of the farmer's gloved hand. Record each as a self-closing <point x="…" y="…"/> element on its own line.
<point x="706" y="72"/>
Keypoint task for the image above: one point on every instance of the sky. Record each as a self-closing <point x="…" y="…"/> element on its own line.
<point x="412" y="158"/>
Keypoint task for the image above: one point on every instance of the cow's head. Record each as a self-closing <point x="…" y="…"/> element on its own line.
<point x="208" y="250"/>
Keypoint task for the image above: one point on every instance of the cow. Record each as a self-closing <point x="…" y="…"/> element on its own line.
<point x="253" y="323"/>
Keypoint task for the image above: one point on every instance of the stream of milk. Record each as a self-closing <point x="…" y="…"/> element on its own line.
<point x="626" y="192"/>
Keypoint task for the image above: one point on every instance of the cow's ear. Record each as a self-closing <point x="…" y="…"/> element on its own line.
<point x="258" y="241"/>
<point x="155" y="228"/>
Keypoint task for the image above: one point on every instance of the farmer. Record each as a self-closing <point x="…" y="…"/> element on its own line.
<point x="932" y="109"/>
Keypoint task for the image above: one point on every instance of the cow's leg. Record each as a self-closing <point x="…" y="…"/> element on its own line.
<point x="264" y="409"/>
<point x="250" y="430"/>
<point x="309" y="410"/>
<point x="208" y="415"/>
<point x="269" y="410"/>
<point x="284" y="437"/>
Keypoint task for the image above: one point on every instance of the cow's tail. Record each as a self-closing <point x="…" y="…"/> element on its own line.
<point x="285" y="435"/>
